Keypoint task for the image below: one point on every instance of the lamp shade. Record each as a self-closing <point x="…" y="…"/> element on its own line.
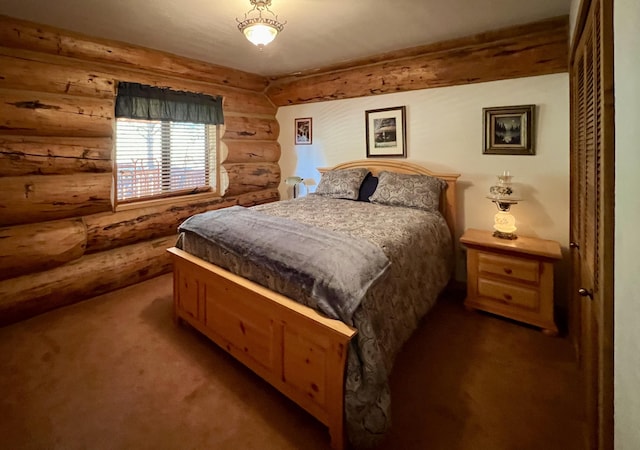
<point x="260" y="33"/>
<point x="292" y="181"/>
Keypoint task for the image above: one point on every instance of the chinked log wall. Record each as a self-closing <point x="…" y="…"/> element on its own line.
<point x="522" y="51"/>
<point x="60" y="240"/>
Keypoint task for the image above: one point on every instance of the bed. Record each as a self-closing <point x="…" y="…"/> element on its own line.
<point x="326" y="362"/>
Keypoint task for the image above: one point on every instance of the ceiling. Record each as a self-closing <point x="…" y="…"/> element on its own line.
<point x="318" y="33"/>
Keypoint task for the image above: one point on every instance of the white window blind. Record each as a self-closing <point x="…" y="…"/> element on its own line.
<point x="161" y="158"/>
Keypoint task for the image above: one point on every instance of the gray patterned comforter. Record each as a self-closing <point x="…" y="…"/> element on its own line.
<point x="417" y="243"/>
<point x="336" y="269"/>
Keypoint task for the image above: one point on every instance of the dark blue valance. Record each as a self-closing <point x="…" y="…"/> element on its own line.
<point x="138" y="101"/>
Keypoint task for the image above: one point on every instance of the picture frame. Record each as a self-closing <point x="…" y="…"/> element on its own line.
<point x="386" y="132"/>
<point x="509" y="130"/>
<point x="303" y="131"/>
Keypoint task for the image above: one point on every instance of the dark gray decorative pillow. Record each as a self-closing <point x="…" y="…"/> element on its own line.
<point x="343" y="183"/>
<point x="412" y="191"/>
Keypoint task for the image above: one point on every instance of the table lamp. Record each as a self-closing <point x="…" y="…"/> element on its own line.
<point x="295" y="182"/>
<point x="502" y="195"/>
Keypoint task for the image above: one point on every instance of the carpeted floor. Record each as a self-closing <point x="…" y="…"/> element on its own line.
<point x="114" y="372"/>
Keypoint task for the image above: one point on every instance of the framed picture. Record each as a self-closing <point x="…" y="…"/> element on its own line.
<point x="386" y="132"/>
<point x="303" y="131"/>
<point x="509" y="130"/>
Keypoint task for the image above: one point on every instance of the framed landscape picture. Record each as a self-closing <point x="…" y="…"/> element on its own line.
<point x="509" y="130"/>
<point x="386" y="132"/>
<point x="303" y="131"/>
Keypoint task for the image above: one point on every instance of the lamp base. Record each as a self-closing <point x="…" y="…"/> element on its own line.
<point x="503" y="235"/>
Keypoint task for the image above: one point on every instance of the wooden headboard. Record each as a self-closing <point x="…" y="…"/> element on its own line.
<point x="448" y="200"/>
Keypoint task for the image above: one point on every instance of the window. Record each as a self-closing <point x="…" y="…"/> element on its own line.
<point x="165" y="142"/>
<point x="157" y="158"/>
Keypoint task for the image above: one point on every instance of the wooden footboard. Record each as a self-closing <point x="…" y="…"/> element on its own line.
<point x="298" y="351"/>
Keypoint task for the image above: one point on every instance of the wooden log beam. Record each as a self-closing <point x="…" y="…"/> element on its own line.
<point x="246" y="102"/>
<point x="259" y="197"/>
<point x="251" y="151"/>
<point x="29" y="75"/>
<point x="38" y="114"/>
<point x="32" y="155"/>
<point x="32" y="248"/>
<point x="25" y="35"/>
<point x="88" y="276"/>
<point x="528" y="50"/>
<point x="110" y="230"/>
<point x="245" y="177"/>
<point x="235" y="100"/>
<point x="255" y="128"/>
<point x="40" y="198"/>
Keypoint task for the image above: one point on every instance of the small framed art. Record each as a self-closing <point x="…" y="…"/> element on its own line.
<point x="386" y="132"/>
<point x="509" y="130"/>
<point x="303" y="131"/>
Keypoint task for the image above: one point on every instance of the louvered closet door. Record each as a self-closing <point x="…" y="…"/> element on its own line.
<point x="585" y="226"/>
<point x="592" y="218"/>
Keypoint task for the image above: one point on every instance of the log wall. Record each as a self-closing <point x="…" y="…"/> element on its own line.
<point x="528" y="50"/>
<point x="60" y="238"/>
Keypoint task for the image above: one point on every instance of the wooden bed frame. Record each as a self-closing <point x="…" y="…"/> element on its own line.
<point x="297" y="350"/>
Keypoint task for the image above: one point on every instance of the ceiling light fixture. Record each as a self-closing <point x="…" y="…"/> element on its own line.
<point x="257" y="29"/>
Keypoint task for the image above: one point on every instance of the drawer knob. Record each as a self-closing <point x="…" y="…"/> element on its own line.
<point x="508" y="271"/>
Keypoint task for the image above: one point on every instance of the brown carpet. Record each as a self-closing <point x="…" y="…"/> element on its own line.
<point x="115" y="373"/>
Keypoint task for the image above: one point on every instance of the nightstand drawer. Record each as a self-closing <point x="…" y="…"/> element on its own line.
<point x="508" y="294"/>
<point x="511" y="267"/>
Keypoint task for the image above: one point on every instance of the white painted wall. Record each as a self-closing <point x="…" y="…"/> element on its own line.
<point x="444" y="131"/>
<point x="627" y="217"/>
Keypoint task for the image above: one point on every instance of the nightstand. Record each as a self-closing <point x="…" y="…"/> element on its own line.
<point x="512" y="278"/>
